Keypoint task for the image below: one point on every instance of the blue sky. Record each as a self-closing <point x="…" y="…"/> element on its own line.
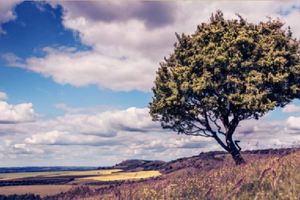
<point x="78" y="75"/>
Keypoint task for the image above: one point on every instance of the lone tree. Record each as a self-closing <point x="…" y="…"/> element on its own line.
<point x="226" y="72"/>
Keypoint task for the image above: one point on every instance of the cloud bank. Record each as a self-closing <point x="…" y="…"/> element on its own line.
<point x="107" y="137"/>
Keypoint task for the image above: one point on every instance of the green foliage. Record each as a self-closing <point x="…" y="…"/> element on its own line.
<point x="227" y="71"/>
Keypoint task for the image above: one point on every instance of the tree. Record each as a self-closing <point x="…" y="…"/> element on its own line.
<point x="226" y="72"/>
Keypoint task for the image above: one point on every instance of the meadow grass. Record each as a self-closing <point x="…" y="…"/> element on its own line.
<point x="275" y="177"/>
<point x="266" y="179"/>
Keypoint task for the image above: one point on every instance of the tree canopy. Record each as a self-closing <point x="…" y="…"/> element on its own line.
<point x="226" y="72"/>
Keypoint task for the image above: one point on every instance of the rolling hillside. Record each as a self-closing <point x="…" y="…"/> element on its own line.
<point x="268" y="174"/>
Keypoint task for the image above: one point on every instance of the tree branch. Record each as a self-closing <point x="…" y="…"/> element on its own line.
<point x="216" y="124"/>
<point x="214" y="133"/>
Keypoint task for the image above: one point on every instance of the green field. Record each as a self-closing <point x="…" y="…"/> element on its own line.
<point x="78" y="178"/>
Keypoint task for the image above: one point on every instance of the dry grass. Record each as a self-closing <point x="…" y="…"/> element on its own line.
<point x="274" y="177"/>
<point x="265" y="179"/>
<point x="124" y="176"/>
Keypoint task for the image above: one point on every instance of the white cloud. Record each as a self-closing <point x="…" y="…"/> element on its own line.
<point x="290" y="108"/>
<point x="86" y="68"/>
<point x="105" y="124"/>
<point x="3" y="96"/>
<point x="293" y="123"/>
<point x="7" y="11"/>
<point x="263" y="133"/>
<point x="64" y="138"/>
<point x="24" y="149"/>
<point x="121" y="134"/>
<point x="128" y="44"/>
<point x="111" y="136"/>
<point x="12" y="59"/>
<point x="15" y="113"/>
<point x="87" y="110"/>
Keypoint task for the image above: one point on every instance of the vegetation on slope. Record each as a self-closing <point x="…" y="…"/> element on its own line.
<point x="268" y="174"/>
<point x="273" y="177"/>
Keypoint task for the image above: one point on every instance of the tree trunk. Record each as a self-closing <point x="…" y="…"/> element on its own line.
<point x="237" y="157"/>
<point x="234" y="151"/>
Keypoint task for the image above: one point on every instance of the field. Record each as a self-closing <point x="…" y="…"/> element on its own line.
<point x="125" y="176"/>
<point x="11" y="176"/>
<point x="267" y="175"/>
<point x="52" y="183"/>
<point x="42" y="190"/>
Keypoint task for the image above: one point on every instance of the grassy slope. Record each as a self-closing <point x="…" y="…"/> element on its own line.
<point x="266" y="178"/>
<point x="267" y="175"/>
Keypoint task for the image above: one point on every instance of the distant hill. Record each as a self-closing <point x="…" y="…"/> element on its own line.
<point x="268" y="174"/>
<point x="137" y="165"/>
<point x="42" y="169"/>
<point x="198" y="161"/>
<point x="205" y="160"/>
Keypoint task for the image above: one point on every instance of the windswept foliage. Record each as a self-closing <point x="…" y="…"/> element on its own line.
<point x="226" y="72"/>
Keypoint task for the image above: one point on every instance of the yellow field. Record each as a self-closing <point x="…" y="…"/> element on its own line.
<point x="11" y="176"/>
<point x="124" y="176"/>
<point x="87" y="173"/>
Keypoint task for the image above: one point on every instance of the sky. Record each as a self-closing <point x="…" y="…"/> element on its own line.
<point x="76" y="79"/>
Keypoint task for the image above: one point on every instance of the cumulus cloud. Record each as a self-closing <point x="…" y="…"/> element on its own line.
<point x="290" y="108"/>
<point x="65" y="138"/>
<point x="7" y="11"/>
<point x="24" y="149"/>
<point x="3" y="96"/>
<point x="264" y="133"/>
<point x="121" y="134"/>
<point x="18" y="113"/>
<point x="87" y="110"/>
<point x="118" y="12"/>
<point x="129" y="40"/>
<point x="111" y="136"/>
<point x="86" y="68"/>
<point x="105" y="124"/>
<point x="293" y="123"/>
